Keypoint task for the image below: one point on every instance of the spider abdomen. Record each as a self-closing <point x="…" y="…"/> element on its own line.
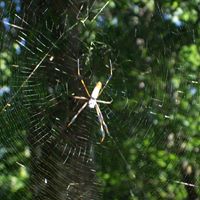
<point x="95" y="92"/>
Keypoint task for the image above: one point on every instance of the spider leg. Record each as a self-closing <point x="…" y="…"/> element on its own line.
<point x="102" y="122"/>
<point x="102" y="119"/>
<point x="81" y="98"/>
<point x="107" y="79"/>
<point x="82" y="81"/>
<point x="104" y="102"/>
<point x="79" y="111"/>
<point x="101" y="125"/>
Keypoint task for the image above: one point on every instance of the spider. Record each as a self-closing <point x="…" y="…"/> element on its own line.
<point x="92" y="102"/>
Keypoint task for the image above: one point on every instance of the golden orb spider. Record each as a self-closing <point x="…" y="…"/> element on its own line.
<point x="92" y="102"/>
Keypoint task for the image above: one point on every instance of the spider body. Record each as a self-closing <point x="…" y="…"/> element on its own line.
<point x="92" y="102"/>
<point x="95" y="93"/>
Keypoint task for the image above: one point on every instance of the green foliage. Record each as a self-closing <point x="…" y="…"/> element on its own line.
<point x="5" y="59"/>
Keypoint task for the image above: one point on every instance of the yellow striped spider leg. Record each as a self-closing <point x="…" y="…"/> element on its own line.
<point x="75" y="116"/>
<point x="102" y="123"/>
<point x="92" y="102"/>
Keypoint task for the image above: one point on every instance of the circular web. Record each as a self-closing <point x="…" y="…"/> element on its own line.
<point x="151" y="150"/>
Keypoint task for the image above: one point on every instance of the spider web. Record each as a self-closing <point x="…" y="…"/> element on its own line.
<point x="148" y="155"/>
